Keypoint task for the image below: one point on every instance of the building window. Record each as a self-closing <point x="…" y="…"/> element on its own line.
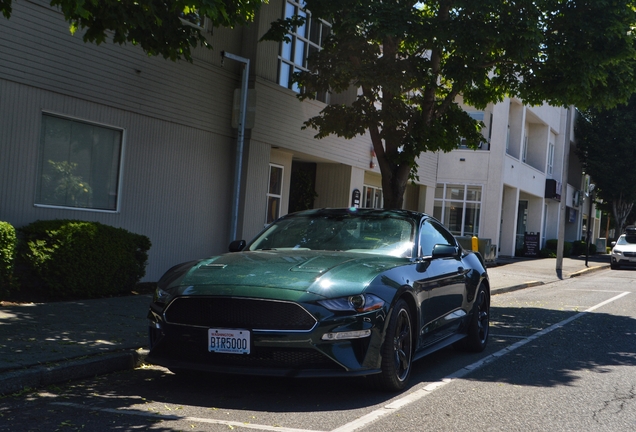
<point x="524" y="150"/>
<point x="508" y="140"/>
<point x="274" y="192"/>
<point x="482" y="117"/>
<point x="372" y="197"/>
<point x="79" y="164"/>
<point x="550" y="159"/>
<point x="458" y="207"/>
<point x="303" y="41"/>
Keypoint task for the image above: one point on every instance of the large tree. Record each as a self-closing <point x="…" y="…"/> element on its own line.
<point x="159" y="27"/>
<point x="606" y="145"/>
<point x="413" y="60"/>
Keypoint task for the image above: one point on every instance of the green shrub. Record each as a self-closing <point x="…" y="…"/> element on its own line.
<point x="78" y="259"/>
<point x="578" y="247"/>
<point x="8" y="243"/>
<point x="547" y="253"/>
<point x="551" y="248"/>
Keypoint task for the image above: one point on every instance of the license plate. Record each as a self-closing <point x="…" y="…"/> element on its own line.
<point x="229" y="341"/>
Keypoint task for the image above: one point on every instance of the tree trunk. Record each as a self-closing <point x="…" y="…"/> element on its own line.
<point x="621" y="210"/>
<point x="394" y="185"/>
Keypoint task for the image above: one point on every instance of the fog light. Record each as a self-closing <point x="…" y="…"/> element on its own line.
<point x="346" y="335"/>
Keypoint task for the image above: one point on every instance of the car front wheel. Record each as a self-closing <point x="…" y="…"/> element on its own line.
<point x="397" y="350"/>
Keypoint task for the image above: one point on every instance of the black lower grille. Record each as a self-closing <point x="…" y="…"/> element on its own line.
<point x="193" y="348"/>
<point x="629" y="254"/>
<point x="226" y="312"/>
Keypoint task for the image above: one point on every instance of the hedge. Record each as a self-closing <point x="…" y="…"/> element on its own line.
<point x="79" y="259"/>
<point x="8" y="242"/>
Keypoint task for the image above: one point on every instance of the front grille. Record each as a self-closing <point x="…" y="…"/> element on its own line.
<point x="629" y="254"/>
<point x="226" y="312"/>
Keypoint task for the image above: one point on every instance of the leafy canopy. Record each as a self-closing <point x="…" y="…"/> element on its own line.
<point x="606" y="145"/>
<point x="414" y="61"/>
<point x="159" y="27"/>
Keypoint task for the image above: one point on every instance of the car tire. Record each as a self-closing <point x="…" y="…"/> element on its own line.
<point x="479" y="325"/>
<point x="397" y="350"/>
<point x="614" y="266"/>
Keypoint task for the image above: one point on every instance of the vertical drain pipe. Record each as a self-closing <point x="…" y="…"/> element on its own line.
<point x="239" y="141"/>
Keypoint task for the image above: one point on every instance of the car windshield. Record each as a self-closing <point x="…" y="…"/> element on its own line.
<point x="626" y="239"/>
<point x="353" y="233"/>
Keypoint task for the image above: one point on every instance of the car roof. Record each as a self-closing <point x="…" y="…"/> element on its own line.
<point x="362" y="212"/>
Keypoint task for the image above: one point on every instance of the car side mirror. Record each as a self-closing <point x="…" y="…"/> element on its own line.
<point x="613" y="244"/>
<point x="445" y="251"/>
<point x="237" y="245"/>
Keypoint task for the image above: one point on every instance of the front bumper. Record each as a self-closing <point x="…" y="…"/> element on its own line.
<point x="300" y="353"/>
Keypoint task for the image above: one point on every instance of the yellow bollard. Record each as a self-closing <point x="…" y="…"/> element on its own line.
<point x="475" y="244"/>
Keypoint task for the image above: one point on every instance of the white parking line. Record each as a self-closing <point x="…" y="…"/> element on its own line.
<point x="415" y="396"/>
<point x="377" y="414"/>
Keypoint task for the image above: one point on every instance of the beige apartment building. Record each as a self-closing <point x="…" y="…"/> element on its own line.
<point x="153" y="144"/>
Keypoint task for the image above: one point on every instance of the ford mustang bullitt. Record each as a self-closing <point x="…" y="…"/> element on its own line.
<point x="328" y="292"/>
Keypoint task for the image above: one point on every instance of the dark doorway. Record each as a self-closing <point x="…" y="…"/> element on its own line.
<point x="302" y="188"/>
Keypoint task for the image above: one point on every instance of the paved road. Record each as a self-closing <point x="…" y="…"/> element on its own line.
<point x="561" y="358"/>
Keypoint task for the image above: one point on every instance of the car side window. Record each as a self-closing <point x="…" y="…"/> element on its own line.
<point x="431" y="234"/>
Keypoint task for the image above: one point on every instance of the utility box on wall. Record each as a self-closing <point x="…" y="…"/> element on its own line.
<point x="553" y="189"/>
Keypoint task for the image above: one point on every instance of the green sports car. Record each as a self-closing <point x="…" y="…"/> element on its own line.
<point x="324" y="293"/>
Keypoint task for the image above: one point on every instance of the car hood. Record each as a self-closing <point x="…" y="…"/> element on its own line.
<point x="323" y="273"/>
<point x="625" y="247"/>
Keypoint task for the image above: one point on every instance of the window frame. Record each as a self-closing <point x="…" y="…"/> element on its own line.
<point x="446" y="200"/>
<point x="274" y="195"/>
<point x="120" y="169"/>
<point x="308" y="45"/>
<point x="374" y="191"/>
<point x="550" y="168"/>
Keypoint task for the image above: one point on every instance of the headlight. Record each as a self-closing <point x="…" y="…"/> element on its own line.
<point x="617" y="252"/>
<point x="355" y="303"/>
<point x="161" y="296"/>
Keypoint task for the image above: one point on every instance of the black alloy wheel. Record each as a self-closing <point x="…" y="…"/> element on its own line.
<point x="479" y="327"/>
<point x="397" y="350"/>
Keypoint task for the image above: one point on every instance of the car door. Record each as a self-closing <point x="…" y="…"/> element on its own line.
<point x="441" y="282"/>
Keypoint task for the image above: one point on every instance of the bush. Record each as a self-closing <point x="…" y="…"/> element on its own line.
<point x="547" y="253"/>
<point x="578" y="247"/>
<point x="551" y="245"/>
<point x="8" y="243"/>
<point x="79" y="259"/>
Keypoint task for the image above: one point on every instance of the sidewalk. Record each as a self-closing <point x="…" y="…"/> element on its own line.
<point x="48" y="343"/>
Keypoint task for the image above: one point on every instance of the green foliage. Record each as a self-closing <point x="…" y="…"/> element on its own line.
<point x="64" y="186"/>
<point x="78" y="259"/>
<point x="606" y="148"/>
<point x="413" y="62"/>
<point x="8" y="242"/>
<point x="551" y="247"/>
<point x="547" y="253"/>
<point x="579" y="247"/>
<point x="155" y="25"/>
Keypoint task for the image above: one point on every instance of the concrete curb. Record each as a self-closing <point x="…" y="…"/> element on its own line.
<point x="530" y="284"/>
<point x="73" y="369"/>
<point x="589" y="270"/>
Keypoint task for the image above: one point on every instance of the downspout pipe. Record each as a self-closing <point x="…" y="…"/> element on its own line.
<point x="240" y="139"/>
